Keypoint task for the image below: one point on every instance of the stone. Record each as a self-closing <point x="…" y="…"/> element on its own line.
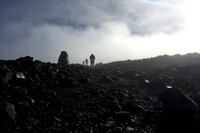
<point x="5" y="75"/>
<point x="130" y="130"/>
<point x="68" y="82"/>
<point x="10" y="110"/>
<point x="118" y="130"/>
<point x="179" y="112"/>
<point x="176" y="101"/>
<point x="106" y="79"/>
<point x="110" y="124"/>
<point x="123" y="116"/>
<point x="18" y="78"/>
<point x="85" y="80"/>
<point x="134" y="108"/>
<point x="57" y="119"/>
<point x="22" y="109"/>
<point x="25" y="60"/>
<point x="20" y="75"/>
<point x="63" y="59"/>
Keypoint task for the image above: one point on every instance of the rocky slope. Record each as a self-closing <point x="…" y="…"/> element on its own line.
<point x="151" y="64"/>
<point x="45" y="97"/>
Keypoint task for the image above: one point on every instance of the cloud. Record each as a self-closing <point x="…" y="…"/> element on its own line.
<point x="44" y="28"/>
<point x="143" y="18"/>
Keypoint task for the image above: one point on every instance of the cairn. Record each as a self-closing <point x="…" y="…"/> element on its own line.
<point x="63" y="59"/>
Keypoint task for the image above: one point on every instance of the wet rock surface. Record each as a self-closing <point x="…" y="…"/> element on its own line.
<point x="46" y="97"/>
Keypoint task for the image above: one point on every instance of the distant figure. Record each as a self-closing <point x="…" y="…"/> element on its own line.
<point x="86" y="62"/>
<point x="92" y="59"/>
<point x="83" y="62"/>
<point x="63" y="59"/>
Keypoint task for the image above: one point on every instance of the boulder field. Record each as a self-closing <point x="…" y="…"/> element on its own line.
<point x="46" y="97"/>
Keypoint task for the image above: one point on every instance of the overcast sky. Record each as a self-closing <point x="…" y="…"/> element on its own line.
<point x="110" y="29"/>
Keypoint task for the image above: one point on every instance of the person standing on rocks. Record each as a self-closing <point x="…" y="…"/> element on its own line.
<point x="86" y="62"/>
<point x="92" y="59"/>
<point x="63" y="59"/>
<point x="83" y="62"/>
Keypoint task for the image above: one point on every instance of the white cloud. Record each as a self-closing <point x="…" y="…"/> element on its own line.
<point x="112" y="30"/>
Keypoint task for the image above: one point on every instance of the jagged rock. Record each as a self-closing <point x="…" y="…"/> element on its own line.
<point x="123" y="116"/>
<point x="25" y="60"/>
<point x="110" y="124"/>
<point x="176" y="101"/>
<point x="130" y="130"/>
<point x="118" y="130"/>
<point x="63" y="59"/>
<point x="20" y="75"/>
<point x="115" y="106"/>
<point x="134" y="108"/>
<point x="10" y="108"/>
<point x="23" y="109"/>
<point x="106" y="79"/>
<point x="5" y="75"/>
<point x="85" y="80"/>
<point x="68" y="82"/>
<point x="18" y="78"/>
<point x="180" y="111"/>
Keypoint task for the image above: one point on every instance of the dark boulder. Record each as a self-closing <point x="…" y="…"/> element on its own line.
<point x="179" y="112"/>
<point x="133" y="108"/>
<point x="114" y="105"/>
<point x="122" y="116"/>
<point x="106" y="79"/>
<point x="175" y="100"/>
<point x="22" y="109"/>
<point x="19" y="79"/>
<point x="25" y="60"/>
<point x="68" y="82"/>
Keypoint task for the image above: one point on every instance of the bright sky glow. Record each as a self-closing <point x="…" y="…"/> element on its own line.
<point x="185" y="41"/>
<point x="157" y="3"/>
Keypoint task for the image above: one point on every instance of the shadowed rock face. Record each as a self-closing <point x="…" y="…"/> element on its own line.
<point x="180" y="110"/>
<point x="176" y="101"/>
<point x="63" y="59"/>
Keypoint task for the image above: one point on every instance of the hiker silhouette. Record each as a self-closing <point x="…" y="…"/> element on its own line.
<point x="86" y="62"/>
<point x="92" y="59"/>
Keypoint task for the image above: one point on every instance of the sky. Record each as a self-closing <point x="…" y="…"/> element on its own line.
<point x="112" y="30"/>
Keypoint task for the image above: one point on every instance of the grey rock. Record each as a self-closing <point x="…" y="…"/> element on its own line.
<point x="134" y="108"/>
<point x="20" y="75"/>
<point x="10" y="110"/>
<point x="130" y="130"/>
<point x="110" y="124"/>
<point x="5" y="75"/>
<point x="118" y="130"/>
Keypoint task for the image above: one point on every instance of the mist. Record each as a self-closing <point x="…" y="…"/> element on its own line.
<point x="112" y="30"/>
